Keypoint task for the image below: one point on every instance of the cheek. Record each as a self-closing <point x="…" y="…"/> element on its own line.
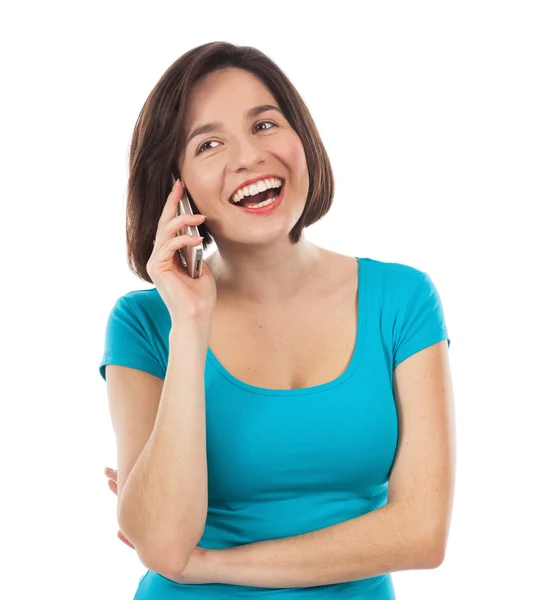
<point x="296" y="157"/>
<point x="203" y="188"/>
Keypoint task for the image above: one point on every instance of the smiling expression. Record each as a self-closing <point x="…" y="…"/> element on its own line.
<point x="236" y="132"/>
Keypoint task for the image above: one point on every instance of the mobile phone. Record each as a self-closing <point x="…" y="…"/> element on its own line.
<point x="191" y="256"/>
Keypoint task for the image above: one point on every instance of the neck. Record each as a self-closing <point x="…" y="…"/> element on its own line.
<point x="267" y="275"/>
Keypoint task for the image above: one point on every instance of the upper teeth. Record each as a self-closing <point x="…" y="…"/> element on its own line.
<point x="256" y="188"/>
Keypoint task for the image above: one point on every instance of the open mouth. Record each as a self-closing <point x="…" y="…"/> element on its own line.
<point x="261" y="199"/>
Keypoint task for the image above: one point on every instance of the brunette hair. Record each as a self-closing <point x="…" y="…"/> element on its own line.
<point x="159" y="134"/>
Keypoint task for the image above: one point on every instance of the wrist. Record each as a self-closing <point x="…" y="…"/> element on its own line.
<point x="215" y="565"/>
<point x="189" y="332"/>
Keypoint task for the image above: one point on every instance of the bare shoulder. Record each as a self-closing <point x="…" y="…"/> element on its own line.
<point x="338" y="270"/>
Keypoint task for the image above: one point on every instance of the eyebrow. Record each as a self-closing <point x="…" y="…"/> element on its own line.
<point x="211" y="127"/>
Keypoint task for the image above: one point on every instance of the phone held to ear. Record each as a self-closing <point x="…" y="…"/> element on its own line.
<point x="191" y="256"/>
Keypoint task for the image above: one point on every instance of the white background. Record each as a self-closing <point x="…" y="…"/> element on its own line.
<point x="426" y="111"/>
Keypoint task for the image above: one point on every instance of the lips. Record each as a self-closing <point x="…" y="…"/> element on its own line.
<point x="264" y="210"/>
<point x="254" y="180"/>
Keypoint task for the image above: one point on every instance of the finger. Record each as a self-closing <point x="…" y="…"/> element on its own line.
<point x="169" y="230"/>
<point x="112" y="485"/>
<point x="180" y="221"/>
<point x="168" y="250"/>
<point x="111" y="473"/>
<point x="171" y="205"/>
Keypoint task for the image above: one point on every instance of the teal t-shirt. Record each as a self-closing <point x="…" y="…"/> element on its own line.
<point x="286" y="462"/>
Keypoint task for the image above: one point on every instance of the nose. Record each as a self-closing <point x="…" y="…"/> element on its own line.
<point x="245" y="153"/>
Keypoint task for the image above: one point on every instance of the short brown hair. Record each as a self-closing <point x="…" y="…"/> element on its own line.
<point x="159" y="134"/>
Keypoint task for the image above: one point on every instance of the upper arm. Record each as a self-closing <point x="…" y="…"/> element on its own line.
<point x="131" y="366"/>
<point x="133" y="397"/>
<point x="422" y="477"/>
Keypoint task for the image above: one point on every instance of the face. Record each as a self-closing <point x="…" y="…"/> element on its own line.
<point x="214" y="164"/>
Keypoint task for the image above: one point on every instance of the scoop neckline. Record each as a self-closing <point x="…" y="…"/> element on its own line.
<point x="322" y="387"/>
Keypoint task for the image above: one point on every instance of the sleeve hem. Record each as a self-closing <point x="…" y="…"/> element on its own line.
<point x="420" y="344"/>
<point x="142" y="363"/>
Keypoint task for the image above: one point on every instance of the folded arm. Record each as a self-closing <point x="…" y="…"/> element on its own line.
<point x="410" y="532"/>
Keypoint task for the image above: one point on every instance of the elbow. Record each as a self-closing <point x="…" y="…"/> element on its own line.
<point x="155" y="556"/>
<point x="434" y="545"/>
<point x="169" y="560"/>
<point x="164" y="563"/>
<point x="425" y="538"/>
<point x="434" y="558"/>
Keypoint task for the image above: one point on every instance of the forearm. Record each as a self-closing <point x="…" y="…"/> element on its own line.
<point x="164" y="502"/>
<point x="378" y="542"/>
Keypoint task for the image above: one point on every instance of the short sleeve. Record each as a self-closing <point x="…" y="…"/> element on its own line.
<point x="423" y="321"/>
<point x="127" y="342"/>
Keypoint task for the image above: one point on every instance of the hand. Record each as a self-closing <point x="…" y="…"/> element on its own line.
<point x="112" y="483"/>
<point x="185" y="298"/>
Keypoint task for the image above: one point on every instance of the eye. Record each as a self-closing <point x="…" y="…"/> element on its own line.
<point x="202" y="146"/>
<point x="199" y="151"/>
<point x="270" y="123"/>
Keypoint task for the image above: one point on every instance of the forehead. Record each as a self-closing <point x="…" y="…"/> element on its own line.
<point x="225" y="94"/>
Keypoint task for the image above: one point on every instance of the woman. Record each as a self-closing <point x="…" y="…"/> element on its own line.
<point x="285" y="420"/>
